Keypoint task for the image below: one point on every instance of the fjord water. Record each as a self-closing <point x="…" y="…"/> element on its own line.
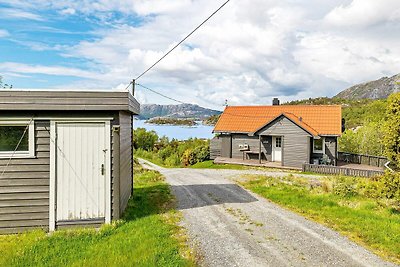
<point x="177" y="131"/>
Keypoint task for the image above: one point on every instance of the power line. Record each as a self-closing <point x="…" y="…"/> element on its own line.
<point x="160" y="94"/>
<point x="181" y="102"/>
<point x="184" y="39"/>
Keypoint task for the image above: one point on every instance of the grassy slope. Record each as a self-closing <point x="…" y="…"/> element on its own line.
<point x="148" y="235"/>
<point x="361" y="219"/>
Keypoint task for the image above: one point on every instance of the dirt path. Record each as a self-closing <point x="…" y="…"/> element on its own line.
<point x="234" y="227"/>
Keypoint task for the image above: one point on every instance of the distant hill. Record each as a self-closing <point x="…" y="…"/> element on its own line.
<point x="378" y="89"/>
<point x="148" y="111"/>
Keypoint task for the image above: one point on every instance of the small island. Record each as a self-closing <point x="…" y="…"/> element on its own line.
<point x="172" y="121"/>
<point x="212" y="120"/>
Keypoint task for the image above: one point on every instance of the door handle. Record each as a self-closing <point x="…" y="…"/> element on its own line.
<point x="102" y="169"/>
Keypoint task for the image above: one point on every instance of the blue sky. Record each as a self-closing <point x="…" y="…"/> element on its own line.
<point x="252" y="51"/>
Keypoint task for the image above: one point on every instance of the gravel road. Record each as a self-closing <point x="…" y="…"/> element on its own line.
<point x="231" y="226"/>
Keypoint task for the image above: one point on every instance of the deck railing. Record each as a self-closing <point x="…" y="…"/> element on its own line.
<point x="362" y="159"/>
<point x="327" y="169"/>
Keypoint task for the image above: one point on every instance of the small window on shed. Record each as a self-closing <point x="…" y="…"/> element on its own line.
<point x="16" y="139"/>
<point x="319" y="145"/>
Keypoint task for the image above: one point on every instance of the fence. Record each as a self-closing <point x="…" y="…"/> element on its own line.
<point x="362" y="159"/>
<point x="327" y="169"/>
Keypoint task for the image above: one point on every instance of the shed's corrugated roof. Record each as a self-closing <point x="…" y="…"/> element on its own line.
<point x="318" y="120"/>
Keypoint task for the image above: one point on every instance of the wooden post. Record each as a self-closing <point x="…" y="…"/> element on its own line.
<point x="259" y="151"/>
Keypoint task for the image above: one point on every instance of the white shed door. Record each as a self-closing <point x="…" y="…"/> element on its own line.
<point x="80" y="171"/>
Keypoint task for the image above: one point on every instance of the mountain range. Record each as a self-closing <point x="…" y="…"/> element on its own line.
<point x="148" y="111"/>
<point x="378" y="89"/>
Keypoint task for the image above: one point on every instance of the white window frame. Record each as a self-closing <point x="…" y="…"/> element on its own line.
<point x="280" y="141"/>
<point x="31" y="135"/>
<point x="323" y="146"/>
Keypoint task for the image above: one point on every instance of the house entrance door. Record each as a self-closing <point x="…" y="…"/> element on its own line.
<point x="277" y="148"/>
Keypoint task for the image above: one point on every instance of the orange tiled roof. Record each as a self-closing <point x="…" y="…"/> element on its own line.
<point x="317" y="120"/>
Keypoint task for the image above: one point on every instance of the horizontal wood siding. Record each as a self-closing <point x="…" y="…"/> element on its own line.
<point x="215" y="147"/>
<point x="24" y="187"/>
<point x="326" y="169"/>
<point x="295" y="150"/>
<point x="253" y="142"/>
<point x="68" y="100"/>
<point x="126" y="160"/>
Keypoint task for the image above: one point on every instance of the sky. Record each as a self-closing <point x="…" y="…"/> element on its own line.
<point x="250" y="52"/>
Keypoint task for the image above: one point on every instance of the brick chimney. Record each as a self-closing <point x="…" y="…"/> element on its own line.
<point x="275" y="102"/>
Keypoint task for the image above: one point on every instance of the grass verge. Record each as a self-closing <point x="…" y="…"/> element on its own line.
<point x="367" y="221"/>
<point x="209" y="164"/>
<point x="148" y="235"/>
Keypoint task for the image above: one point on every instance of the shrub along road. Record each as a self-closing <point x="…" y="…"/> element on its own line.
<point x="234" y="227"/>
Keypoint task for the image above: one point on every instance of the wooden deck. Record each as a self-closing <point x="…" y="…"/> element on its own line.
<point x="359" y="166"/>
<point x="252" y="162"/>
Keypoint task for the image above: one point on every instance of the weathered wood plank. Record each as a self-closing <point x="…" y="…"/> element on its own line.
<point x="23" y="189"/>
<point x="24" y="216"/>
<point x="4" y="211"/>
<point x="26" y="175"/>
<point x="18" y="196"/>
<point x="23" y="182"/>
<point x="29" y="161"/>
<point x="25" y="202"/>
<point x="27" y="168"/>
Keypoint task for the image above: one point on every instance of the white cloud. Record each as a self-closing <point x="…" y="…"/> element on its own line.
<point x="19" y="14"/>
<point x="365" y="13"/>
<point x="48" y="70"/>
<point x="4" y="33"/>
<point x="68" y="11"/>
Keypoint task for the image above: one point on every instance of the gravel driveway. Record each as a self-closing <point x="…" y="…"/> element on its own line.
<point x="231" y="226"/>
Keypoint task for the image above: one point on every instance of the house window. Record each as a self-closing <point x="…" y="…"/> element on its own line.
<point x="278" y="142"/>
<point x="16" y="139"/>
<point x="319" y="145"/>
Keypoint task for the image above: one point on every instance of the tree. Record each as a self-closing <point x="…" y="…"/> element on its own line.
<point x="144" y="139"/>
<point x="4" y="86"/>
<point x="391" y="129"/>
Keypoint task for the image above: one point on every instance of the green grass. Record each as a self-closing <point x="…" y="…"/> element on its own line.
<point x="364" y="220"/>
<point x="209" y="164"/>
<point x="147" y="235"/>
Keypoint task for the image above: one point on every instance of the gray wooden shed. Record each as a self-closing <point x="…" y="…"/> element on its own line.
<point x="65" y="158"/>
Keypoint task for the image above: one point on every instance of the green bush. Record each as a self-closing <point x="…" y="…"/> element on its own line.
<point x="390" y="185"/>
<point x="171" y="153"/>
<point x="345" y="186"/>
<point x="368" y="188"/>
<point x="173" y="161"/>
<point x="188" y="158"/>
<point x="143" y="139"/>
